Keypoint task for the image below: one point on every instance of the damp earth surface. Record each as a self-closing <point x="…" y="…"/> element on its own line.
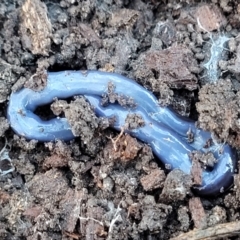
<point x="105" y="184"/>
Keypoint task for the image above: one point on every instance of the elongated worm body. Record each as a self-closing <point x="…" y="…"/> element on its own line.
<point x="172" y="150"/>
<point x="164" y="130"/>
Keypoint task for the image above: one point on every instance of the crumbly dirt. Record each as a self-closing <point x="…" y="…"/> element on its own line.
<point x="105" y="184"/>
<point x="112" y="97"/>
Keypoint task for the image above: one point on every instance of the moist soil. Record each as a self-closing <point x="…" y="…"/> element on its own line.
<point x="105" y="184"/>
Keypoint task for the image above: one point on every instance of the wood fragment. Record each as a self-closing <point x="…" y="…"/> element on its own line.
<point x="224" y="230"/>
<point x="198" y="213"/>
<point x="210" y="17"/>
<point x="36" y="28"/>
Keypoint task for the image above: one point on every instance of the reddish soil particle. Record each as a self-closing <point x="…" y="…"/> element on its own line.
<point x="4" y="197"/>
<point x="200" y="161"/>
<point x="197" y="212"/>
<point x="55" y="161"/>
<point x="134" y="211"/>
<point x="32" y="212"/>
<point x="153" y="180"/>
<point x="196" y="172"/>
<point x="60" y="155"/>
<point x="124" y="148"/>
<point x="174" y="66"/>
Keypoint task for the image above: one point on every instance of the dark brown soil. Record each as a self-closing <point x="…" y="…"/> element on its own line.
<point x="105" y="184"/>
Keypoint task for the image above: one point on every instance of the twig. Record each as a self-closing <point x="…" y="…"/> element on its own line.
<point x="224" y="230"/>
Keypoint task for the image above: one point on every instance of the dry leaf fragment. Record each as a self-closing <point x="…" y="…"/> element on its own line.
<point x="36" y="28"/>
